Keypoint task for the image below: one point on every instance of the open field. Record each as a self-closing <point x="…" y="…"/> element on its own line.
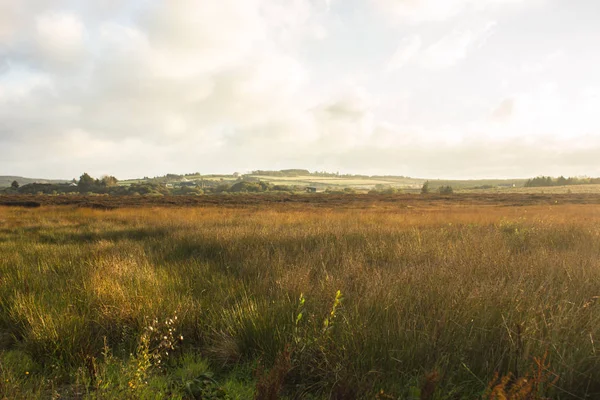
<point x="321" y="200"/>
<point x="333" y="181"/>
<point x="306" y="297"/>
<point x="307" y="180"/>
<point x="343" y="181"/>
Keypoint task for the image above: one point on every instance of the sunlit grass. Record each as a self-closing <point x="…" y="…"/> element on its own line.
<point x="465" y="291"/>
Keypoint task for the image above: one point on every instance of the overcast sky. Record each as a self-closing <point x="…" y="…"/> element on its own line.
<point x="424" y="88"/>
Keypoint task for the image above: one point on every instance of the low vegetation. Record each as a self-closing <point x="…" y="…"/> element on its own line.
<point x="431" y="299"/>
<point x="373" y="199"/>
<point x="545" y="181"/>
<point x="287" y="180"/>
<point x="174" y="185"/>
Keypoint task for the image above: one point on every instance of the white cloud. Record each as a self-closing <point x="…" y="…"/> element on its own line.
<point x="504" y="110"/>
<point x="446" y="52"/>
<point x="417" y="11"/>
<point x="539" y="114"/>
<point x="455" y="46"/>
<point x="542" y="64"/>
<point x="8" y="17"/>
<point x="408" y="49"/>
<point x="60" y="37"/>
<point x="132" y="89"/>
<point x="188" y="71"/>
<point x="191" y="36"/>
<point x="346" y="121"/>
<point x="420" y="11"/>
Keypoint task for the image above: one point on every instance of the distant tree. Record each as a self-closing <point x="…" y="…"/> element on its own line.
<point x="223" y="187"/>
<point x="425" y="188"/>
<point x="446" y="190"/>
<point x="244" y="186"/>
<point x="109" y="181"/>
<point x="14" y="185"/>
<point x="562" y="181"/>
<point x="542" y="181"/>
<point x="283" y="188"/>
<point x="86" y="181"/>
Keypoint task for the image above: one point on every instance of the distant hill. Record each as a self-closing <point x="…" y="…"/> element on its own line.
<point x="5" y="181"/>
<point x="302" y="178"/>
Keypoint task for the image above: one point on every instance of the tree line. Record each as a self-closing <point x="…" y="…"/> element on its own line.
<point x="543" y="181"/>
<point x="109" y="185"/>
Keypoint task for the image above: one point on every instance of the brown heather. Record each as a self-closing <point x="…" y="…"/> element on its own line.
<point x="437" y="300"/>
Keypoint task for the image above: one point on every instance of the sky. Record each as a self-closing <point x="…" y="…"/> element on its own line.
<point x="420" y="88"/>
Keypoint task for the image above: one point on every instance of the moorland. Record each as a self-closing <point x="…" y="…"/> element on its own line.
<point x="300" y="296"/>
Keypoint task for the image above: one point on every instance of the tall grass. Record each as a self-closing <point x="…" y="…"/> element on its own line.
<point x="463" y="294"/>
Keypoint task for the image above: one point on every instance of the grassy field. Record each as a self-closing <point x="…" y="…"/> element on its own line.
<point x="363" y="298"/>
<point x="301" y="201"/>
<point x="332" y="181"/>
<point x="356" y="182"/>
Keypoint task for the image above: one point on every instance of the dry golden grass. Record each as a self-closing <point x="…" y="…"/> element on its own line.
<point x="465" y="290"/>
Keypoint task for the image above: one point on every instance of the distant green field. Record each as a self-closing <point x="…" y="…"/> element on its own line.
<point x="131" y="181"/>
<point x="338" y="182"/>
<point x="218" y="178"/>
<point x="303" y="180"/>
<point x="188" y="178"/>
<point x="405" y="184"/>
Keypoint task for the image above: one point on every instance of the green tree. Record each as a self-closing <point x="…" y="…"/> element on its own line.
<point x="425" y="188"/>
<point x="109" y="181"/>
<point x="14" y="185"/>
<point x="446" y="190"/>
<point x="86" y="181"/>
<point x="562" y="181"/>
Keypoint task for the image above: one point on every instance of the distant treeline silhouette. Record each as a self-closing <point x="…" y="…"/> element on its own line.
<point x="541" y="181"/>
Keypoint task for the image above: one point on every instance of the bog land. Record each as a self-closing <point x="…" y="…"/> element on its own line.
<point x="300" y="296"/>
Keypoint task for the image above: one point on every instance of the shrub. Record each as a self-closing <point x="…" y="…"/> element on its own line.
<point x="446" y="190"/>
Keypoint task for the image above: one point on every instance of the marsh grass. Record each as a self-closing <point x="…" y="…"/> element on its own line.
<point x="389" y="296"/>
